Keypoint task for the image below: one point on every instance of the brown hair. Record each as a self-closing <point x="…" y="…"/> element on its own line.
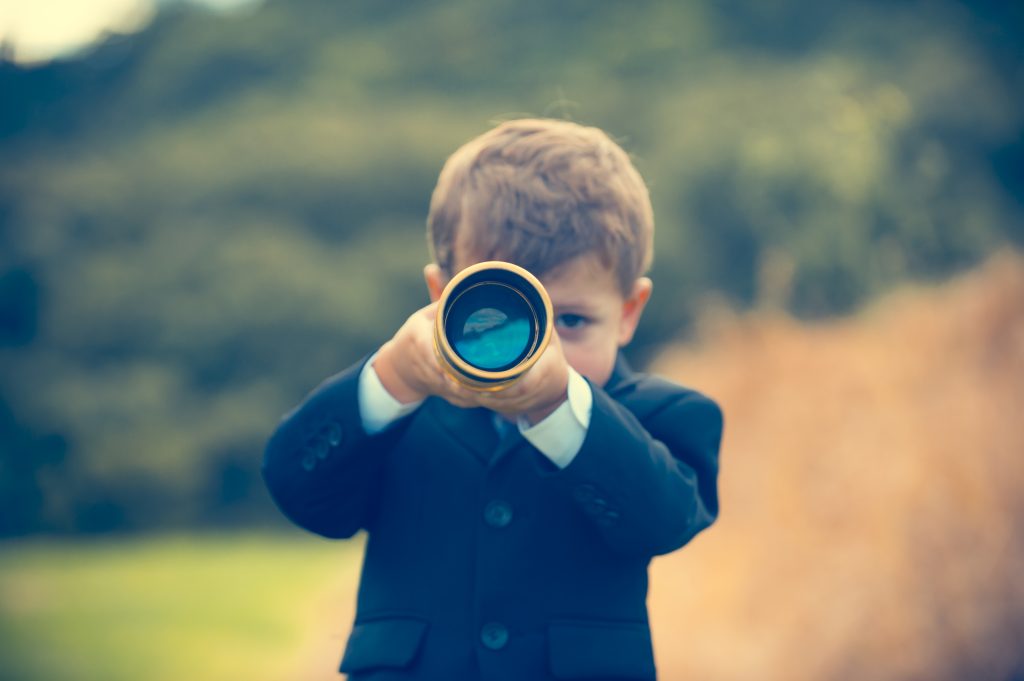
<point x="540" y="192"/>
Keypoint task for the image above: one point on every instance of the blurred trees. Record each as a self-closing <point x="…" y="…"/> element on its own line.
<point x="200" y="221"/>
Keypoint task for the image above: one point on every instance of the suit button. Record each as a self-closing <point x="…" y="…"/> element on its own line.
<point x="607" y="519"/>
<point x="584" y="493"/>
<point x="498" y="513"/>
<point x="334" y="433"/>
<point x="320" y="448"/>
<point x="308" y="459"/>
<point x="595" y="506"/>
<point x="494" y="635"/>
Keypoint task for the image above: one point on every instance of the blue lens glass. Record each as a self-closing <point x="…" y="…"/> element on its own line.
<point x="491" y="340"/>
<point x="491" y="327"/>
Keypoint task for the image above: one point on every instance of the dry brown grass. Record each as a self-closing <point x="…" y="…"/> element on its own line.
<point x="872" y="490"/>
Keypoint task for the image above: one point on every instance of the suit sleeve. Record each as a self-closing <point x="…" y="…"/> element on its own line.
<point x="321" y="467"/>
<point x="649" y="484"/>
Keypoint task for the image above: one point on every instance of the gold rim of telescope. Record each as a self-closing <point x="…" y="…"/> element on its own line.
<point x="462" y="371"/>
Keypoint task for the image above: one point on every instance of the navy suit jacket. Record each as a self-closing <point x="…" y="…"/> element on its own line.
<point x="484" y="560"/>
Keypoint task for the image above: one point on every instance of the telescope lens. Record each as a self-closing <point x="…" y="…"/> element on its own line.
<point x="491" y="326"/>
<point x="493" y="323"/>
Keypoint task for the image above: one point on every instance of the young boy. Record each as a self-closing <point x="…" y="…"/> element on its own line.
<point x="509" y="533"/>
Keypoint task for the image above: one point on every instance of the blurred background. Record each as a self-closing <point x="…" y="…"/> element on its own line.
<point x="206" y="208"/>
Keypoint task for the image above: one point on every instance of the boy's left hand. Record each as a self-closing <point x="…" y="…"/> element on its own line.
<point x="539" y="392"/>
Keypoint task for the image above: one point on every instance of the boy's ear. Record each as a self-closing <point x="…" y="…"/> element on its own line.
<point x="436" y="280"/>
<point x="632" y="308"/>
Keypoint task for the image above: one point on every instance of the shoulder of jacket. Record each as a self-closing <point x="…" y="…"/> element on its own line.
<point x="649" y="393"/>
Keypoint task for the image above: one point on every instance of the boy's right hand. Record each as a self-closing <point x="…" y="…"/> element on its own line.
<point x="408" y="367"/>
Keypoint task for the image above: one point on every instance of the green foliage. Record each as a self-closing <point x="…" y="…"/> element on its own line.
<point x="201" y="221"/>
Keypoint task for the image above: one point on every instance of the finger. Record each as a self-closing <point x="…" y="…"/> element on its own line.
<point x="456" y="391"/>
<point x="502" y="403"/>
<point x="459" y="402"/>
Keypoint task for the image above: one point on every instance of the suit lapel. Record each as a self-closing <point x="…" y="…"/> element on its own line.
<point x="472" y="428"/>
<point x="509" y="440"/>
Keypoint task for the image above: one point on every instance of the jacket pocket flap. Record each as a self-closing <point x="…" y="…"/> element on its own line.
<point x="391" y="642"/>
<point x="580" y="649"/>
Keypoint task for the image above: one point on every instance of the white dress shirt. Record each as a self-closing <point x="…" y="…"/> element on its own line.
<point x="558" y="437"/>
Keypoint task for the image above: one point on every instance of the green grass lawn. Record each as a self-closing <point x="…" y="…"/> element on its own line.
<point x="182" y="607"/>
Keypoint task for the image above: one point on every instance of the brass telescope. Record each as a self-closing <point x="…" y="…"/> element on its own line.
<point x="494" y="320"/>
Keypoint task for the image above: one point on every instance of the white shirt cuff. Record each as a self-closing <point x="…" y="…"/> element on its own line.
<point x="378" y="409"/>
<point x="560" y="436"/>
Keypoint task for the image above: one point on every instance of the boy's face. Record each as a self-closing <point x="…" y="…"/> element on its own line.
<point x="592" y="316"/>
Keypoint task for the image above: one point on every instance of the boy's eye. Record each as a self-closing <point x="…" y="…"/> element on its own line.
<point x="571" y="321"/>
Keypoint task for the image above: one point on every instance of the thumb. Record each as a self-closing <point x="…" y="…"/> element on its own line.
<point x="430" y="311"/>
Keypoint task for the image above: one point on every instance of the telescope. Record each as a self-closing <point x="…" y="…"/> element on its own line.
<point x="494" y="320"/>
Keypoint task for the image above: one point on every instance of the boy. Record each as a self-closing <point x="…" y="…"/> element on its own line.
<point x="510" y="532"/>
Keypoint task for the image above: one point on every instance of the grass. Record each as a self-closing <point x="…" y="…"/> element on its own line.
<point x="174" y="607"/>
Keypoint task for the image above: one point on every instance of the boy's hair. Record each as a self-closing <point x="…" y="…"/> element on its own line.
<point x="541" y="192"/>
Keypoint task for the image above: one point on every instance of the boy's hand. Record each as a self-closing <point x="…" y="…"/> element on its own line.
<point x="408" y="367"/>
<point x="538" y="392"/>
